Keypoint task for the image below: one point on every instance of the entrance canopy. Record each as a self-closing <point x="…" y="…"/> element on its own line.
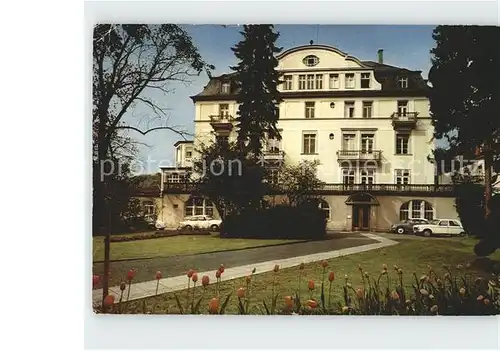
<point x="361" y="199"/>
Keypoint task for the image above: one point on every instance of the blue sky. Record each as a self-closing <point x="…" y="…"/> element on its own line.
<point x="405" y="46"/>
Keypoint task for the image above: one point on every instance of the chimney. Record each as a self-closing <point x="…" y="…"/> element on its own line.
<point x="380" y="55"/>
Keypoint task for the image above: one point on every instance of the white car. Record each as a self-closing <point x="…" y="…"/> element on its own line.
<point x="200" y="222"/>
<point x="440" y="227"/>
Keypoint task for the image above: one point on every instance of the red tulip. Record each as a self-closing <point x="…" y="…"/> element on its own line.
<point x="324" y="263"/>
<point x="213" y="305"/>
<point x="109" y="300"/>
<point x="205" y="280"/>
<point x="310" y="284"/>
<point x="331" y="276"/>
<point x="221" y="268"/>
<point x="158" y="275"/>
<point x="95" y="280"/>
<point x="130" y="274"/>
<point x="123" y="286"/>
<point x="241" y="293"/>
<point x="288" y="301"/>
<point x="190" y="273"/>
<point x="194" y="277"/>
<point x="302" y="265"/>
<point x="276" y="268"/>
<point x="217" y="274"/>
<point x="248" y="279"/>
<point x="312" y="303"/>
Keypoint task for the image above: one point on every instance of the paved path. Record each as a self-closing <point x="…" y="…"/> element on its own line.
<point x="314" y="251"/>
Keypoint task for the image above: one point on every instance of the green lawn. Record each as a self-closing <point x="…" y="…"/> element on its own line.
<point x="409" y="255"/>
<point x="176" y="245"/>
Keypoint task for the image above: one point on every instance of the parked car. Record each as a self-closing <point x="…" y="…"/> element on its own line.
<point x="200" y="222"/>
<point x="406" y="226"/>
<point x="440" y="227"/>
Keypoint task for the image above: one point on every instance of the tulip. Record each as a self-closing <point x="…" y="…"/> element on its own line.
<point x="394" y="295"/>
<point x="431" y="297"/>
<point x="109" y="300"/>
<point x="439" y="282"/>
<point x="194" y="277"/>
<point x="158" y="275"/>
<point x="424" y="292"/>
<point x="213" y="305"/>
<point x="359" y="293"/>
<point x="324" y="264"/>
<point x="408" y="302"/>
<point x="486" y="301"/>
<point x="130" y="275"/>
<point x="95" y="280"/>
<point x="345" y="309"/>
<point x="217" y="274"/>
<point x="190" y="273"/>
<point x="462" y="291"/>
<point x="424" y="278"/>
<point x="240" y="293"/>
<point x="480" y="298"/>
<point x="302" y="265"/>
<point x="205" y="280"/>
<point x="331" y="276"/>
<point x="460" y="266"/>
<point x="310" y="285"/>
<point x="384" y="267"/>
<point x="360" y="268"/>
<point x="221" y="268"/>
<point x="312" y="303"/>
<point x="478" y="280"/>
<point x="400" y="271"/>
<point x="434" y="309"/>
<point x="276" y="268"/>
<point x="396" y="268"/>
<point x="349" y="285"/>
<point x="288" y="302"/>
<point x="248" y="279"/>
<point x="123" y="286"/>
<point x="366" y="275"/>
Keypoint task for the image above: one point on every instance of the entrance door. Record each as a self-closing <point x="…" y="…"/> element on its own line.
<point x="360" y="217"/>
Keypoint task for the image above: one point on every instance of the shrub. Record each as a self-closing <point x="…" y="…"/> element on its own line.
<point x="279" y="222"/>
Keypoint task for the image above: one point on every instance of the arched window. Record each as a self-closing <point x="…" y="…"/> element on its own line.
<point x="416" y="209"/>
<point x="323" y="205"/>
<point x="198" y="206"/>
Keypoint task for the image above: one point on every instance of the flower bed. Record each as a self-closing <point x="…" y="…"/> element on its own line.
<point x="156" y="235"/>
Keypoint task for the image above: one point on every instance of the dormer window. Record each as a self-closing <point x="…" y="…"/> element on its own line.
<point x="310" y="60"/>
<point x="226" y="86"/>
<point x="365" y="80"/>
<point x="403" y="82"/>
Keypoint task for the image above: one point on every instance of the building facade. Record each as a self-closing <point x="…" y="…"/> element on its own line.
<point x="366" y="122"/>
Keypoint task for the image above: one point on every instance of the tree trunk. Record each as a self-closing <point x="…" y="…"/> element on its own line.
<point x="488" y="163"/>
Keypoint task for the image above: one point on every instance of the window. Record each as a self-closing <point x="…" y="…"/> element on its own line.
<point x="224" y="110"/>
<point x="310" y="81"/>
<point x="443" y="223"/>
<point x="273" y="176"/>
<point x="365" y="80"/>
<point x="273" y="145"/>
<point x="226" y="87"/>
<point x="175" y="178"/>
<point x="149" y="209"/>
<point x="348" y="176"/>
<point x="403" y="82"/>
<point x="402" y="144"/>
<point x="302" y="82"/>
<point x="310" y="60"/>
<point x="349" y="80"/>
<point x="333" y="82"/>
<point x="319" y="81"/>
<point x="198" y="206"/>
<point x="189" y="153"/>
<point x="323" y="205"/>
<point x="416" y="209"/>
<point x="402" y="108"/>
<point x="367" y="142"/>
<point x="349" y="109"/>
<point x="349" y="142"/>
<point x="309" y="144"/>
<point x="309" y="109"/>
<point x="402" y="176"/>
<point x="367" y="176"/>
<point x="288" y="82"/>
<point x="367" y="109"/>
<point x="454" y="224"/>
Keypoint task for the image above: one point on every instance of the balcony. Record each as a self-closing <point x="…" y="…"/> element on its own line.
<point x="359" y="155"/>
<point x="444" y="190"/>
<point x="404" y="120"/>
<point x="221" y="122"/>
<point x="273" y="157"/>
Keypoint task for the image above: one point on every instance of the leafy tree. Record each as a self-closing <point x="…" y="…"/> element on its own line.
<point x="257" y="80"/>
<point x="300" y="182"/>
<point x="465" y="92"/>
<point x="229" y="178"/>
<point x="130" y="61"/>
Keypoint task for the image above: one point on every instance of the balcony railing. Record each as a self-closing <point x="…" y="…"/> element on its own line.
<point x="359" y="155"/>
<point x="221" y="118"/>
<point x="346" y="189"/>
<point x="273" y="154"/>
<point x="404" y="119"/>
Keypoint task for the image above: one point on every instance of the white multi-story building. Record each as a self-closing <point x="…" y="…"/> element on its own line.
<point x="366" y="122"/>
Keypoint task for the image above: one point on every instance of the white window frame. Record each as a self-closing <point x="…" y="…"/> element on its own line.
<point x="302" y="82"/>
<point x="310" y="107"/>
<point x="367" y="176"/>
<point x="288" y="82"/>
<point x="367" y="142"/>
<point x="350" y="175"/>
<point x="367" y="107"/>
<point x="224" y="110"/>
<point x="206" y="208"/>
<point x="307" y="136"/>
<point x="403" y="82"/>
<point x="319" y="81"/>
<point x="348" y="106"/>
<point x="333" y="81"/>
<point x="400" y="140"/>
<point x="350" y="81"/>
<point x="402" y="176"/>
<point x="226" y="87"/>
<point x="325" y="206"/>
<point x="365" y="79"/>
<point x="402" y="106"/>
<point x="349" y="141"/>
<point x="310" y="80"/>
